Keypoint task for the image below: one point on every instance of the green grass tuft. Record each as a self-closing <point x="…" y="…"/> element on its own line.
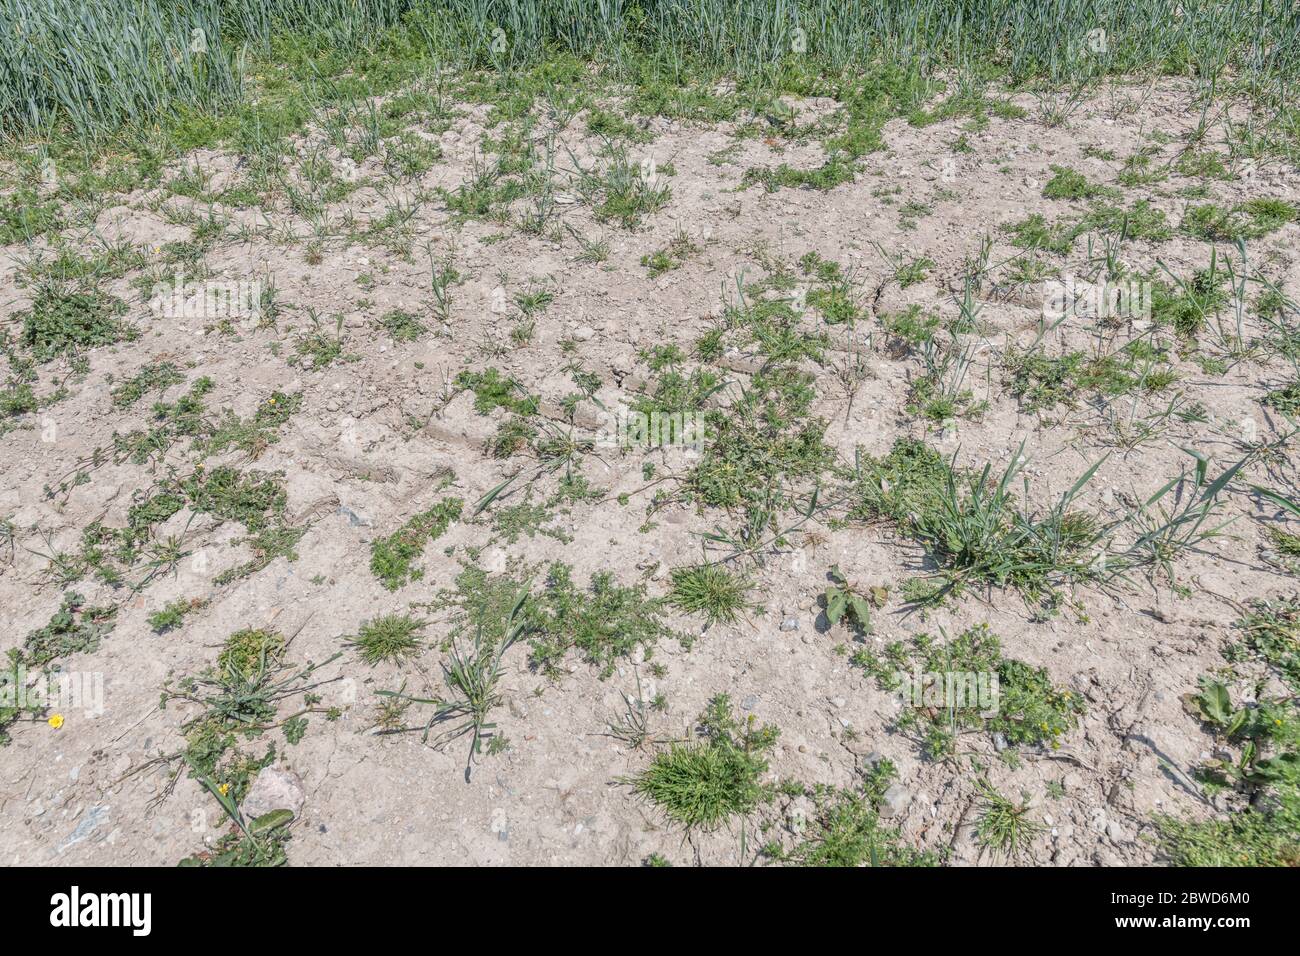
<point x="389" y="637"/>
<point x="709" y="782"/>
<point x="711" y="590"/>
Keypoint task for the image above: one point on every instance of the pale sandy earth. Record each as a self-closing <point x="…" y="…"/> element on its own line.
<point x="356" y="467"/>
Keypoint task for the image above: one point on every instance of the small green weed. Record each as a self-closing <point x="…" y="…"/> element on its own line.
<point x="391" y="556"/>
<point x="62" y="320"/>
<point x="1067" y="183"/>
<point x="173" y="614"/>
<point x="1252" y="219"/>
<point x="846" y="828"/>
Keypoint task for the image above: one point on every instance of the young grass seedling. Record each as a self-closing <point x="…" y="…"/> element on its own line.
<point x="471" y="677"/>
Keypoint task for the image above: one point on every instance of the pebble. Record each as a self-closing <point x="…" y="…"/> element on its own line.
<point x="498" y="824"/>
<point x="894" y="801"/>
<point x="796" y="815"/>
<point x="790" y="624"/>
<point x="274" y="788"/>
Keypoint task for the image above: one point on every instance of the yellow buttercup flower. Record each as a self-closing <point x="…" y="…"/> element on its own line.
<point x="55" y="721"/>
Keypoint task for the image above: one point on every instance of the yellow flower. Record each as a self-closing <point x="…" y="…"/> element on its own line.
<point x="55" y="721"/>
<point x="224" y="788"/>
